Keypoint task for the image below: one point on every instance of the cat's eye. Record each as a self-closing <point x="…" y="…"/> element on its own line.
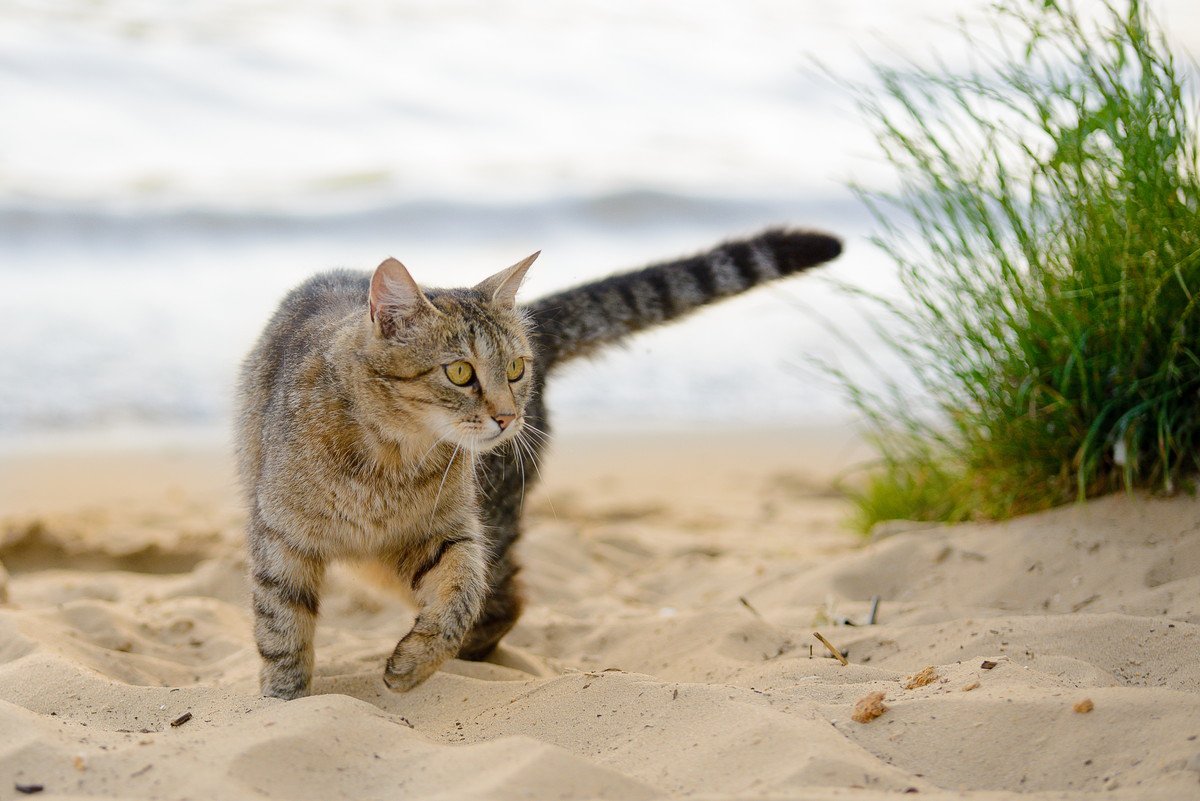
<point x="460" y="373"/>
<point x="516" y="369"/>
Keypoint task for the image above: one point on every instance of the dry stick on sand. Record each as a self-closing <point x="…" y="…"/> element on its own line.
<point x="742" y="600"/>
<point x="829" y="645"/>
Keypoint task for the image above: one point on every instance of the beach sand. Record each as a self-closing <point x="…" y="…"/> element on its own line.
<point x="674" y="582"/>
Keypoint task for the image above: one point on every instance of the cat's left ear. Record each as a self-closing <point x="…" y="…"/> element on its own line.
<point x="502" y="287"/>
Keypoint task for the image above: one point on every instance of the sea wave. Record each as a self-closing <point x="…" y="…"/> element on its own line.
<point x="119" y="315"/>
<point x="26" y="224"/>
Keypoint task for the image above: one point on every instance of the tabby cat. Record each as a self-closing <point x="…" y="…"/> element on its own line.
<point x="371" y="424"/>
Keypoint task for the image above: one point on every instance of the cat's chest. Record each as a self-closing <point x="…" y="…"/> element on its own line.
<point x="383" y="511"/>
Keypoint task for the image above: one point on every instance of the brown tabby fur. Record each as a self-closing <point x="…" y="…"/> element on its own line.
<point x="347" y="432"/>
<point x="355" y="444"/>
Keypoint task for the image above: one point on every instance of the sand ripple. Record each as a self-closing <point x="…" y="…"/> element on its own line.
<point x="664" y="654"/>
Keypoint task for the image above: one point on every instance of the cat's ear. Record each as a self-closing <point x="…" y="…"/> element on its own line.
<point x="394" y="294"/>
<point x="502" y="287"/>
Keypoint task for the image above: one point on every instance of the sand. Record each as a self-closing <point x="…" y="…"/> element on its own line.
<point x="675" y="582"/>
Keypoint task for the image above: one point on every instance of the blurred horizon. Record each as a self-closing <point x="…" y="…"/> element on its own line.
<point x="169" y="170"/>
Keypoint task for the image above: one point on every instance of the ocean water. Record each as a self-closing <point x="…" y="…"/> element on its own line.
<point x="169" y="169"/>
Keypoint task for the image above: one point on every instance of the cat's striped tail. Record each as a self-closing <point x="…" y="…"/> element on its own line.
<point x="577" y="321"/>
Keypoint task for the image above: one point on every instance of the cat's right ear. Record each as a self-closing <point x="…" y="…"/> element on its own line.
<point x="394" y="294"/>
<point x="502" y="287"/>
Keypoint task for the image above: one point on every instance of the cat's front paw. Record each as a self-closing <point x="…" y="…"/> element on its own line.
<point x="416" y="658"/>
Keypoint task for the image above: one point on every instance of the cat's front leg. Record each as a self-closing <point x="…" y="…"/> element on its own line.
<point x="450" y="584"/>
<point x="500" y="611"/>
<point x="286" y="587"/>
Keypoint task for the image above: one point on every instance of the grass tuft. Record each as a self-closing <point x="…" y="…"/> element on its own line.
<point x="1046" y="229"/>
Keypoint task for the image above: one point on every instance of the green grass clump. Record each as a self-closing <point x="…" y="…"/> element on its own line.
<point x="1046" y="227"/>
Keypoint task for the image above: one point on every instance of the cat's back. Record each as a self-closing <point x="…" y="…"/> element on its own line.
<point x="306" y="311"/>
<point x="298" y="331"/>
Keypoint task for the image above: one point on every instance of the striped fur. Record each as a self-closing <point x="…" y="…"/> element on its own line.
<point x="339" y="460"/>
<point x="578" y="321"/>
<point x="350" y="432"/>
<point x="582" y="320"/>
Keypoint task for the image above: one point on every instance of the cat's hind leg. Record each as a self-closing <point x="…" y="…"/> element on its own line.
<point x="286" y="586"/>
<point x="449" y="585"/>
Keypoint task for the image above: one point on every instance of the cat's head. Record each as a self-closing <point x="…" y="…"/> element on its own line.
<point x="451" y="364"/>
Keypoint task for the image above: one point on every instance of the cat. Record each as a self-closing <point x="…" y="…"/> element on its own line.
<point x="372" y="422"/>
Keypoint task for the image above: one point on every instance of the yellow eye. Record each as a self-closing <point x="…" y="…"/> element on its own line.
<point x="460" y="373"/>
<point x="516" y="369"/>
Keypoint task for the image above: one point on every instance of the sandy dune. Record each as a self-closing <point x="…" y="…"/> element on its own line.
<point x="667" y="650"/>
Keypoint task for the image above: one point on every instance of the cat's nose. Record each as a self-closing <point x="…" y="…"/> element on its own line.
<point x="503" y="420"/>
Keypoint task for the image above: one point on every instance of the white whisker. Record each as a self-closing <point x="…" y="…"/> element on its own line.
<point x="445" y="475"/>
<point x="542" y="437"/>
<point x="533" y="458"/>
<point x="424" y="456"/>
<point x="516" y="441"/>
<point x="475" y="466"/>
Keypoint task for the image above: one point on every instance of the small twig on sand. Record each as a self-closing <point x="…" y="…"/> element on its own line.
<point x="829" y="645"/>
<point x="745" y="603"/>
<point x="874" y="610"/>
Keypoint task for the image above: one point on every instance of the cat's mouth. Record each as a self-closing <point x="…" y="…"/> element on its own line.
<point x="482" y="441"/>
<point x="487" y="442"/>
